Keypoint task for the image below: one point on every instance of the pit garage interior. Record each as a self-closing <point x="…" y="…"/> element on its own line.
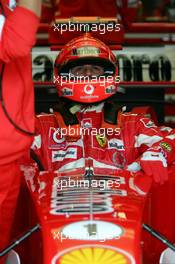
<point x="144" y="48"/>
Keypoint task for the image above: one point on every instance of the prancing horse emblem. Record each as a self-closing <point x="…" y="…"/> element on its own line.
<point x="102" y="141"/>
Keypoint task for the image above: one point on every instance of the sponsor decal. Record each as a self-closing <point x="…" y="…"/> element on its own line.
<point x="116" y="144"/>
<point x="56" y="140"/>
<point x="57" y="137"/>
<point x="92" y="230"/>
<point x="66" y="92"/>
<point x="119" y="160"/>
<point x="90" y="254"/>
<point x="60" y="155"/>
<point x="89" y="89"/>
<point x="102" y="141"/>
<point x="86" y="123"/>
<point x="89" y="96"/>
<point x="110" y="89"/>
<point x="166" y="146"/>
<point x="86" y="51"/>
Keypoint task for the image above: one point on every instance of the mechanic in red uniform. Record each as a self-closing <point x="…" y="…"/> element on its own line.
<point x="90" y="128"/>
<point x="18" y="26"/>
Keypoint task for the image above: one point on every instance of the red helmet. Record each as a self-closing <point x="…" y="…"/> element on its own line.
<point x="80" y="51"/>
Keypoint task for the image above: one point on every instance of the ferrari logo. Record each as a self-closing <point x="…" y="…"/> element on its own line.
<point x="102" y="141"/>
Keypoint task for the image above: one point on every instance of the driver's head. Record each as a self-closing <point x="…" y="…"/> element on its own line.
<point x="86" y="70"/>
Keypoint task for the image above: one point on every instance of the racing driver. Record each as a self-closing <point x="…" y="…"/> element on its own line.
<point x="90" y="129"/>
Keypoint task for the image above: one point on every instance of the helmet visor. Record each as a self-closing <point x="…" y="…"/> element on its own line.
<point x="92" y="67"/>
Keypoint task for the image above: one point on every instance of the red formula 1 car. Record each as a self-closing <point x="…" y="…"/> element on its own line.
<point x="97" y="218"/>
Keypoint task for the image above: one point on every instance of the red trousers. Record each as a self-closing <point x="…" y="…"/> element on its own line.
<point x="10" y="176"/>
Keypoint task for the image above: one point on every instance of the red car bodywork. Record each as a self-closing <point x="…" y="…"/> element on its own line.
<point x="89" y="208"/>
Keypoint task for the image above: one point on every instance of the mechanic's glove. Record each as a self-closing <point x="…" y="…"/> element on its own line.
<point x="153" y="163"/>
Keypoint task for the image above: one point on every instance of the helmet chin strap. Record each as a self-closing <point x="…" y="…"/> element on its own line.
<point x="111" y="112"/>
<point x="63" y="107"/>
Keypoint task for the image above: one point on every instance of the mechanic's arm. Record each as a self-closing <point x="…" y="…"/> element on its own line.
<point x="32" y="5"/>
<point x="18" y="29"/>
<point x="158" y="150"/>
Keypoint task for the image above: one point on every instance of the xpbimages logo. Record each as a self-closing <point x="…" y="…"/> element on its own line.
<point x="85" y="236"/>
<point x="63" y="184"/>
<point x="102" y="28"/>
<point x="93" y="230"/>
<point x="84" y="131"/>
<point x="71" y="79"/>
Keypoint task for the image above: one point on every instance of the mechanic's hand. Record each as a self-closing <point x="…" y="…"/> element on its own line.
<point x="153" y="163"/>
